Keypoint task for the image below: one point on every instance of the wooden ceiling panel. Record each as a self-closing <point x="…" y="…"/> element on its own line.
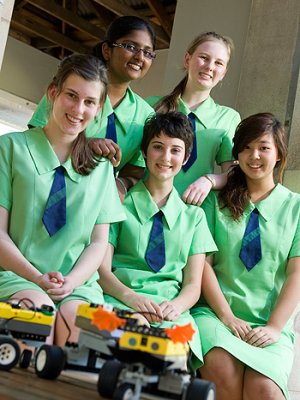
<point x="61" y="27"/>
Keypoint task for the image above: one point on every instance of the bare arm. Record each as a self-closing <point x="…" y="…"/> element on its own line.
<point x="190" y="291"/>
<point x="197" y="192"/>
<point x="87" y="264"/>
<point x="285" y="306"/>
<point x="218" y="303"/>
<point x="112" y="286"/>
<point x="13" y="260"/>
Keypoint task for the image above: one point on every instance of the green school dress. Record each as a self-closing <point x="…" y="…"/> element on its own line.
<point x="252" y="295"/>
<point x="185" y="232"/>
<point x="215" y="127"/>
<point x="27" y="167"/>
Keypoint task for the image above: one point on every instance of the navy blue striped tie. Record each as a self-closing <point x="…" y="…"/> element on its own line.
<point x="155" y="253"/>
<point x="111" y="132"/>
<point x="250" y="252"/>
<point x="55" y="217"/>
<point x="193" y="156"/>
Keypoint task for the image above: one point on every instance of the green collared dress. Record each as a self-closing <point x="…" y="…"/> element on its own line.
<point x="130" y="114"/>
<point x="186" y="233"/>
<point x="252" y="295"/>
<point x="27" y="167"/>
<point x="215" y="127"/>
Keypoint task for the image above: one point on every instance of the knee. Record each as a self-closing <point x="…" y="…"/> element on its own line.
<point x="263" y="389"/>
<point x="221" y="368"/>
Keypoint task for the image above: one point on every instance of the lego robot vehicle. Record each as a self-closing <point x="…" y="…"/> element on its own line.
<point x="29" y="325"/>
<point x="132" y="360"/>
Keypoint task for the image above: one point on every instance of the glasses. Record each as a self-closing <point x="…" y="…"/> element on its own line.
<point x="135" y="50"/>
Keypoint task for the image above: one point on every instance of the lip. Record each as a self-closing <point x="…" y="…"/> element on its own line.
<point x="205" y="75"/>
<point x="135" y="66"/>
<point x="163" y="166"/>
<point x="74" y="120"/>
<point x="254" y="166"/>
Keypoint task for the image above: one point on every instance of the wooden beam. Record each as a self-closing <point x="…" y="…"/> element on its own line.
<point x="121" y="9"/>
<point x="68" y="17"/>
<point x="51" y="35"/>
<point x="41" y="43"/>
<point x="102" y="17"/>
<point x="160" y="13"/>
<point x="19" y="4"/>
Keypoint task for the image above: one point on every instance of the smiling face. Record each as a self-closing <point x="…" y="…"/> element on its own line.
<point x="124" y="66"/>
<point x="75" y="106"/>
<point x="258" y="159"/>
<point x="165" y="157"/>
<point x="207" y="65"/>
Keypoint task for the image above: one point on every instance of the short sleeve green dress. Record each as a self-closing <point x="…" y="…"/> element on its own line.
<point x="252" y="295"/>
<point x="27" y="167"/>
<point x="185" y="232"/>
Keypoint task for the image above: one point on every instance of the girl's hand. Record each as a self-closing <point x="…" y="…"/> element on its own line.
<point x="262" y="336"/>
<point x="169" y="312"/>
<point x="238" y="327"/>
<point x="51" y="280"/>
<point x="106" y="148"/>
<point x="58" y="294"/>
<point x="196" y="193"/>
<point x="148" y="308"/>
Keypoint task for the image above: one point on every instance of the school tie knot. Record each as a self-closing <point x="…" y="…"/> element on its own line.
<point x="250" y="252"/>
<point x="111" y="132"/>
<point x="193" y="155"/>
<point x="55" y="214"/>
<point x="155" y="254"/>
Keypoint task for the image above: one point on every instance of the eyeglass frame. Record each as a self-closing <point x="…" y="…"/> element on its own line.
<point x="149" y="54"/>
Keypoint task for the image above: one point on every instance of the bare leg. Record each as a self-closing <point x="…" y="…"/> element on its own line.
<point x="226" y="372"/>
<point x="258" y="386"/>
<point x="68" y="310"/>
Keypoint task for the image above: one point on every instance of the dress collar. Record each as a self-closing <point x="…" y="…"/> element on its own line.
<point x="269" y="206"/>
<point x="43" y="155"/>
<point x="146" y="207"/>
<point x="205" y="112"/>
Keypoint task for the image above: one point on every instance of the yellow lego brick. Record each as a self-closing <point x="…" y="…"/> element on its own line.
<point x="7" y="311"/>
<point x="152" y="344"/>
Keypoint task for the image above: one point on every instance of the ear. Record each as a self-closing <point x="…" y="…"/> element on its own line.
<point x="186" y="160"/>
<point x="186" y="60"/>
<point x="106" y="51"/>
<point x="52" y="92"/>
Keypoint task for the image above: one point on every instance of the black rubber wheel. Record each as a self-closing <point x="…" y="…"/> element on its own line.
<point x="9" y="353"/>
<point x="25" y="358"/>
<point x="108" y="378"/>
<point x="49" y="361"/>
<point x="201" y="390"/>
<point x="124" y="392"/>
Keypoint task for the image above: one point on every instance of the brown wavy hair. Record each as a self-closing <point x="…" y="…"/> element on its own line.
<point x="170" y="101"/>
<point x="235" y="195"/>
<point x="89" y="68"/>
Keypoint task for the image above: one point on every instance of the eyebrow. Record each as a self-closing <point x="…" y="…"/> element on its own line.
<point x="137" y="44"/>
<point x="74" y="91"/>
<point x="173" y="145"/>
<point x="265" y="141"/>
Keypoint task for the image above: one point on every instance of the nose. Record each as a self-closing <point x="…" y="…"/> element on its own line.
<point x="209" y="64"/>
<point x="139" y="55"/>
<point x="167" y="155"/>
<point x="255" y="154"/>
<point x="78" y="107"/>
